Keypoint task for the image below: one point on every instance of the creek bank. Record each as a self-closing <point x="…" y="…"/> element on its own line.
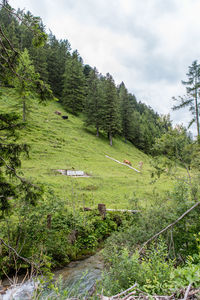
<point x="81" y="275"/>
<point x="89" y="239"/>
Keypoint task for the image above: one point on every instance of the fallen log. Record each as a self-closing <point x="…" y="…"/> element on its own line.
<point x="119" y="162"/>
<point x="144" y="296"/>
<point x="123" y="210"/>
<point x="102" y="209"/>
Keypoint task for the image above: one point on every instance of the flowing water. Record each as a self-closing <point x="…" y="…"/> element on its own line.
<point x="79" y="275"/>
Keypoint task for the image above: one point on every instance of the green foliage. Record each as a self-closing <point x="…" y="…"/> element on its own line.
<point x="24" y="82"/>
<point x="93" y="108"/>
<point x="27" y="84"/>
<point x="11" y="184"/>
<point x="111" y="117"/>
<point x="154" y="272"/>
<point x="174" y="144"/>
<point x="126" y="112"/>
<point x="167" y="265"/>
<point x="190" y="272"/>
<point x="56" y="53"/>
<point x="151" y="273"/>
<point x="191" y="99"/>
<point x="74" y="84"/>
<point x="17" y="30"/>
<point x="155" y="217"/>
<point x="68" y="236"/>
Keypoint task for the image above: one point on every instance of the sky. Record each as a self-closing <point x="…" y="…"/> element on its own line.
<point x="147" y="44"/>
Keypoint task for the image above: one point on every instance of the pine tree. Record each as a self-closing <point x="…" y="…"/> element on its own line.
<point x="126" y="111"/>
<point x="94" y="101"/>
<point x="13" y="185"/>
<point x="8" y="43"/>
<point x="39" y="59"/>
<point x="192" y="97"/>
<point x="74" y="84"/>
<point x="24" y="82"/>
<point x="27" y="84"/>
<point x="57" y="53"/>
<point x="111" y="115"/>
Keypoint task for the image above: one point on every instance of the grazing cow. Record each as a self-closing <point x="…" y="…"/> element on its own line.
<point x="65" y="117"/>
<point x="127" y="162"/>
<point x="57" y="113"/>
<point x="140" y="165"/>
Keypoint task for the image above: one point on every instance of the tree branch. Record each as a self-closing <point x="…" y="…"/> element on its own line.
<point x="187" y="291"/>
<point x="124" y="292"/>
<point x="169" y="226"/>
<point x="23" y="180"/>
<point x="19" y="256"/>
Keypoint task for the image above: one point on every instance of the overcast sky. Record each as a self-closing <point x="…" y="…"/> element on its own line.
<point x="148" y="44"/>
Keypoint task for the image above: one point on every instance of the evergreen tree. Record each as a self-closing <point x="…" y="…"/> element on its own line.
<point x="126" y="111"/>
<point x="12" y="185"/>
<point x="38" y="56"/>
<point x="111" y="115"/>
<point x="15" y="36"/>
<point x="94" y="101"/>
<point x="191" y="99"/>
<point x="24" y="82"/>
<point x="57" y="54"/>
<point x="27" y="83"/>
<point x="74" y="84"/>
<point x="136" y="135"/>
<point x="8" y="43"/>
<point x="39" y="59"/>
<point x="86" y="70"/>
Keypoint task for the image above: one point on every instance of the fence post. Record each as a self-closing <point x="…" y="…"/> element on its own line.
<point x="102" y="210"/>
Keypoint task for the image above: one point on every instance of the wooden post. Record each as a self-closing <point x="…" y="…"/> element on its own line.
<point x="49" y="221"/>
<point x="102" y="210"/>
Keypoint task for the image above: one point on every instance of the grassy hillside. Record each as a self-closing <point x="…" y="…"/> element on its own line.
<point x="66" y="144"/>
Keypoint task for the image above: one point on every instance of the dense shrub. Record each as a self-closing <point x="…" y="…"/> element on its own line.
<point x="167" y="265"/>
<point x="69" y="235"/>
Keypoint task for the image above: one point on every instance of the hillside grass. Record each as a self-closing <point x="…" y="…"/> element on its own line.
<point x="66" y="144"/>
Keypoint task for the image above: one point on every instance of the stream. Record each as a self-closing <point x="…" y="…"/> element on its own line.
<point x="78" y="275"/>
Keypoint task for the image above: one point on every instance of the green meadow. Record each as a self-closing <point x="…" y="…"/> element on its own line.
<point x="66" y="144"/>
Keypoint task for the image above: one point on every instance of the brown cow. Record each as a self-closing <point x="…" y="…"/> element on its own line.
<point x="57" y="113"/>
<point x="127" y="162"/>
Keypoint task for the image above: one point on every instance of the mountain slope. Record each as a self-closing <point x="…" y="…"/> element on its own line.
<point x="67" y="144"/>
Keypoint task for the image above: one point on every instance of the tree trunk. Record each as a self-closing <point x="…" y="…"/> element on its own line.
<point x="110" y="138"/>
<point x="49" y="221"/>
<point x="24" y="110"/>
<point x="196" y="108"/>
<point x="97" y="131"/>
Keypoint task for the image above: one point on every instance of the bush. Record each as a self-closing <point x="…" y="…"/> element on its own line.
<point x="151" y="273"/>
<point x="68" y="235"/>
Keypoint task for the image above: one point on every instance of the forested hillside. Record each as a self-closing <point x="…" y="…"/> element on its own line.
<point x="58" y="115"/>
<point x="81" y="88"/>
